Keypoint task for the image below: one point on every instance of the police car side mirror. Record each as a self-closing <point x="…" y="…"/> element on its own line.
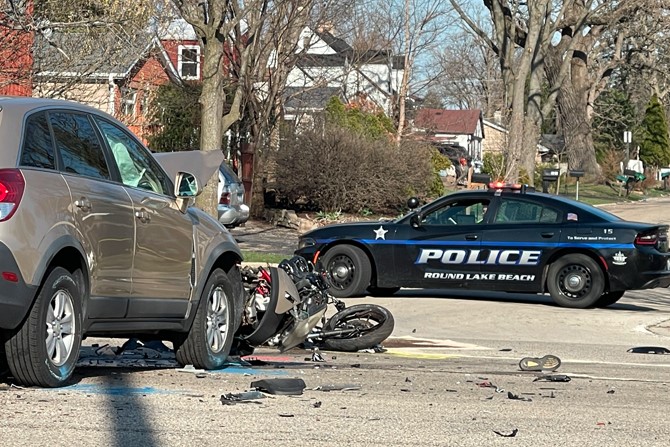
<point x="415" y="220"/>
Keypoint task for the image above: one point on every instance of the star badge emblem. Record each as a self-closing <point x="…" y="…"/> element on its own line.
<point x="380" y="233"/>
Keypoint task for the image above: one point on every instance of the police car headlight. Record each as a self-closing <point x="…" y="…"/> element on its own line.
<point x="306" y="242"/>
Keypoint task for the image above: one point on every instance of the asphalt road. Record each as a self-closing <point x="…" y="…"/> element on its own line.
<point x="449" y="377"/>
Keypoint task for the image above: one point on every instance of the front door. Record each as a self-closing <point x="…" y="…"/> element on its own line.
<point x="164" y="235"/>
<point x="443" y="249"/>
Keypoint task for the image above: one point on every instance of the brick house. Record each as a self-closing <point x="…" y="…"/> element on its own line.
<point x="16" y="59"/>
<point x="452" y="129"/>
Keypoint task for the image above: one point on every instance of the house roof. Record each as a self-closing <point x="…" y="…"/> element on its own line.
<point x="80" y="55"/>
<point x="448" y="121"/>
<point x="298" y="98"/>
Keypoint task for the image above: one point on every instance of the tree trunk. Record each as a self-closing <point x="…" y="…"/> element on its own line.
<point x="574" y="120"/>
<point x="211" y="101"/>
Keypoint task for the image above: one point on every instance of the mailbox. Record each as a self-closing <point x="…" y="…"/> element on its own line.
<point x="577" y="173"/>
<point x="481" y="178"/>
<point x="550" y="175"/>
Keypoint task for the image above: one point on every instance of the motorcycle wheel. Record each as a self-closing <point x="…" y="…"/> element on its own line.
<point x="374" y="322"/>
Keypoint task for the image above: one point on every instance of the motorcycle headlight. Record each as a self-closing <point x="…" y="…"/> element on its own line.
<point x="306" y="242"/>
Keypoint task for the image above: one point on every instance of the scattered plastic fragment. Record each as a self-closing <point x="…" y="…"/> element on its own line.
<point x="241" y="398"/>
<point x="649" y="350"/>
<point x="345" y="387"/>
<point x="546" y="363"/>
<point x="507" y="435"/>
<point x="511" y="395"/>
<point x="553" y="378"/>
<point x="486" y="384"/>
<point x="317" y="404"/>
<point x="316" y="356"/>
<point x="610" y="391"/>
<point x="190" y="369"/>
<point x="281" y="386"/>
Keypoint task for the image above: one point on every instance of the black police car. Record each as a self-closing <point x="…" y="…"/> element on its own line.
<point x="503" y="239"/>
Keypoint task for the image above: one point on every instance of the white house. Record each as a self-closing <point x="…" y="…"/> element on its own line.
<point x="328" y="65"/>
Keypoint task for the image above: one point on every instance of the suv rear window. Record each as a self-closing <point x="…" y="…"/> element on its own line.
<point x="228" y="173"/>
<point x="38" y="149"/>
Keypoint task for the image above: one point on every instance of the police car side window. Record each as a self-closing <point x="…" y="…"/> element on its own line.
<point x="459" y="213"/>
<point x="519" y="211"/>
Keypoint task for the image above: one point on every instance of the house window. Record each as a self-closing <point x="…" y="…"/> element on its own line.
<point x="128" y="98"/>
<point x="189" y="61"/>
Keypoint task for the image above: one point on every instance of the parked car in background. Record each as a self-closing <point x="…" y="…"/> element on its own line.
<point x="96" y="239"/>
<point x="231" y="209"/>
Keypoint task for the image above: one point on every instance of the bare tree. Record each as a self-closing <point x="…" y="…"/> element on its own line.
<point x="411" y="29"/>
<point x="466" y="74"/>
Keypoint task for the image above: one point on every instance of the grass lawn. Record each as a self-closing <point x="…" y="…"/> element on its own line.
<point x="269" y="258"/>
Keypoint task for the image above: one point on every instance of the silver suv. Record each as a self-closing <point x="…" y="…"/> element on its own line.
<point x="231" y="209"/>
<point x="96" y="239"/>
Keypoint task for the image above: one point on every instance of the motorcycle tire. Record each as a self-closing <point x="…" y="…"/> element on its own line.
<point x="376" y="324"/>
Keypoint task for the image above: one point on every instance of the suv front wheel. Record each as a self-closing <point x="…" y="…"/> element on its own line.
<point x="45" y="349"/>
<point x="209" y="341"/>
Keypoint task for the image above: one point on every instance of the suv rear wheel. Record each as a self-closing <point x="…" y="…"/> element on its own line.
<point x="45" y="349"/>
<point x="211" y="336"/>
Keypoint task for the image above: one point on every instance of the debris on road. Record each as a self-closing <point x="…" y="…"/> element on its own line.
<point x="242" y="398"/>
<point x="546" y="363"/>
<point x="281" y="386"/>
<point x="507" y="435"/>
<point x="512" y="396"/>
<point x="649" y="350"/>
<point x="345" y="387"/>
<point x="553" y="378"/>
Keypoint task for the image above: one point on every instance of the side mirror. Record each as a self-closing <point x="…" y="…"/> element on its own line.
<point x="415" y="220"/>
<point x="412" y="203"/>
<point x="186" y="186"/>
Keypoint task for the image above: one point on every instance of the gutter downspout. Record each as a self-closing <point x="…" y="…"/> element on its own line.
<point x="112" y="95"/>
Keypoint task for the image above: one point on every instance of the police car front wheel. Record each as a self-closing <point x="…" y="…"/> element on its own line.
<point x="576" y="281"/>
<point x="349" y="271"/>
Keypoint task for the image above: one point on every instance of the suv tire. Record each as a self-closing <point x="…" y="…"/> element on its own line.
<point x="211" y="336"/>
<point x="45" y="348"/>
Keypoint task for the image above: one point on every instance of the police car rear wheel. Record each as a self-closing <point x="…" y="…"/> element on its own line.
<point x="575" y="281"/>
<point x="348" y="269"/>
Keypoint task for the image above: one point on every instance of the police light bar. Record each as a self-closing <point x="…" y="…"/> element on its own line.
<point x="509" y="187"/>
<point x="506" y="186"/>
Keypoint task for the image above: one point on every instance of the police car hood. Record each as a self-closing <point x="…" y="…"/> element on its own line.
<point x="350" y="229"/>
<point x="202" y="164"/>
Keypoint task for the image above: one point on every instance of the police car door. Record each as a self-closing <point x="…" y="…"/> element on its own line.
<point x="517" y="242"/>
<point x="440" y="245"/>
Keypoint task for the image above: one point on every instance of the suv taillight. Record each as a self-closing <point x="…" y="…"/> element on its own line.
<point x="225" y="198"/>
<point x="11" y="191"/>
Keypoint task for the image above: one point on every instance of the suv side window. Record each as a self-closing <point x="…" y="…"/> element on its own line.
<point x="38" y="149"/>
<point x="137" y="167"/>
<point x="78" y="144"/>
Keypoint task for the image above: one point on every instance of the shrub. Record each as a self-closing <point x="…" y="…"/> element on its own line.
<point x="494" y="165"/>
<point x="337" y="169"/>
<point x="439" y="162"/>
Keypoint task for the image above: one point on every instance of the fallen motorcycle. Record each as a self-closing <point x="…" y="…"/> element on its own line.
<point x="287" y="306"/>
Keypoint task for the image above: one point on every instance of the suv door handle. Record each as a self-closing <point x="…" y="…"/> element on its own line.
<point x="143" y="216"/>
<point x="471" y="237"/>
<point x="83" y="204"/>
<point x="548" y="234"/>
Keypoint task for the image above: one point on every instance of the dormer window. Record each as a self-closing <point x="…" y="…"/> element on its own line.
<point x="189" y="61"/>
